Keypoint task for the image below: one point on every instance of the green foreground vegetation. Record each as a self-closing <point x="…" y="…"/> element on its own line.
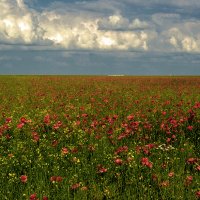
<point x="98" y="138"/>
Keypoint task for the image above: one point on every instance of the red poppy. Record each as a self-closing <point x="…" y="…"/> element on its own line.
<point x="154" y="177"/>
<point x="101" y="169"/>
<point x="191" y="160"/>
<point x="55" y="143"/>
<point x="20" y="125"/>
<point x="23" y="120"/>
<point x="33" y="196"/>
<point x="198" y="194"/>
<point x="188" y="180"/>
<point x="35" y="136"/>
<point x="56" y="179"/>
<point x="171" y="174"/>
<point x="164" y="184"/>
<point x="64" y="150"/>
<point x="47" y="119"/>
<point x="190" y="128"/>
<point x="130" y="117"/>
<point x="74" y="150"/>
<point x="146" y="162"/>
<point x="8" y="120"/>
<point x="118" y="161"/>
<point x="59" y="179"/>
<point x="198" y="168"/>
<point x="53" y="178"/>
<point x="121" y="149"/>
<point x="75" y="186"/>
<point x="24" y="178"/>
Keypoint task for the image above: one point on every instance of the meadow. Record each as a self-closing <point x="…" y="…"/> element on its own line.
<point x="99" y="138"/>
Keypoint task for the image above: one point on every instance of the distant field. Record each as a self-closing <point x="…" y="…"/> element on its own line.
<point x="99" y="137"/>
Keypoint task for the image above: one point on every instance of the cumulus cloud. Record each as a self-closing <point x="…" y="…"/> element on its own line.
<point x="138" y="24"/>
<point x="178" y="3"/>
<point x="185" y="36"/>
<point x="95" y="25"/>
<point x="20" y="24"/>
<point x="165" y="19"/>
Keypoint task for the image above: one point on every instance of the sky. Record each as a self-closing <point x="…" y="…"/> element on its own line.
<point x="131" y="37"/>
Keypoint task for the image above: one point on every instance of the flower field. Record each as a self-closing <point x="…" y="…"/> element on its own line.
<point x="98" y="138"/>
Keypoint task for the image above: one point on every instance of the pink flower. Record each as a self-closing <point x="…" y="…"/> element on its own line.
<point x="64" y="151"/>
<point x="164" y="184"/>
<point x="57" y="125"/>
<point x="56" y="179"/>
<point x="154" y="177"/>
<point x="55" y="143"/>
<point x="146" y="162"/>
<point x="190" y="128"/>
<point x="20" y="125"/>
<point x="121" y="149"/>
<point x="44" y="198"/>
<point x="198" y="168"/>
<point x="171" y="174"/>
<point x="188" y="180"/>
<point x="23" y="178"/>
<point x="84" y="115"/>
<point x="59" y="179"/>
<point x="150" y="146"/>
<point x="23" y="120"/>
<point x="75" y="186"/>
<point x="191" y="160"/>
<point x="35" y="136"/>
<point x="8" y="120"/>
<point x="101" y="169"/>
<point x="47" y="119"/>
<point x="74" y="150"/>
<point x="118" y="161"/>
<point x="33" y="196"/>
<point x="198" y="194"/>
<point x="168" y="140"/>
<point x="53" y="178"/>
<point x="130" y="117"/>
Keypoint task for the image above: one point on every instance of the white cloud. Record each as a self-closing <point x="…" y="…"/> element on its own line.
<point x="138" y="24"/>
<point x="165" y="19"/>
<point x="23" y="25"/>
<point x="9" y="58"/>
<point x="178" y="3"/>
<point x="113" y="22"/>
<point x="185" y="36"/>
<point x="72" y="26"/>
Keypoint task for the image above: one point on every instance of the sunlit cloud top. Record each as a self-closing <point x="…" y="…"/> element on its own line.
<point x="78" y="30"/>
<point x="79" y="26"/>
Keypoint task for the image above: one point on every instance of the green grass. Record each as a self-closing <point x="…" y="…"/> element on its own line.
<point x="65" y="133"/>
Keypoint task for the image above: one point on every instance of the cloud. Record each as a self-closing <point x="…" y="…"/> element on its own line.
<point x="20" y="24"/>
<point x="165" y="19"/>
<point x="185" y="36"/>
<point x="178" y="3"/>
<point x="6" y="58"/>
<point x="96" y="25"/>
